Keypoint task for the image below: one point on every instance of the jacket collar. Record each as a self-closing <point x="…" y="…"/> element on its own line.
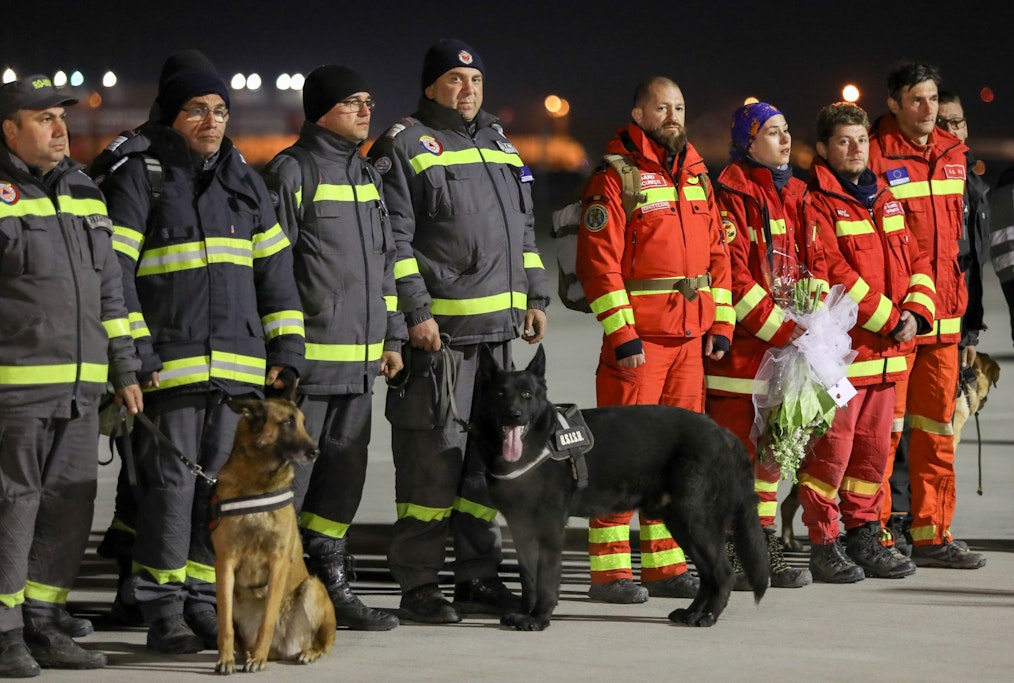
<point x="823" y="179"/>
<point x="887" y="133"/>
<point x="171" y="148"/>
<point x="438" y="116"/>
<point x="320" y="140"/>
<point x="648" y="150"/>
<point x="741" y="174"/>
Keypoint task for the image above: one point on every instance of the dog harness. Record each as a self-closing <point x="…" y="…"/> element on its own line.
<point x="570" y="442"/>
<point x="248" y="505"/>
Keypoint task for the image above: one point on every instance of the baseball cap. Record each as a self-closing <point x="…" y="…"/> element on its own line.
<point x="33" y="92"/>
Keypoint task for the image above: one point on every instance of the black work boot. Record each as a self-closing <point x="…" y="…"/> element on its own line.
<point x="172" y="636"/>
<point x="897" y="527"/>
<point x="335" y="568"/>
<point x="863" y="546"/>
<point x="741" y="583"/>
<point x="427" y="604"/>
<point x="203" y="622"/>
<point x="487" y="595"/>
<point x="830" y="564"/>
<point x="784" y="575"/>
<point x="54" y="649"/>
<point x="15" y="659"/>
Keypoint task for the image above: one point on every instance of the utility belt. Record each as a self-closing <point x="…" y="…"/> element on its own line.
<point x="687" y="286"/>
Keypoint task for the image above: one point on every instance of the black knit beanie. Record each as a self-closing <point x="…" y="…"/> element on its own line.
<point x="185" y="84"/>
<point x="328" y="85"/>
<point x="446" y="54"/>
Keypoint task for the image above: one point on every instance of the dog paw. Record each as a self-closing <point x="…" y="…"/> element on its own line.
<point x="309" y="656"/>
<point x="692" y="618"/>
<point x="225" y="666"/>
<point x="524" y="622"/>
<point x="255" y="664"/>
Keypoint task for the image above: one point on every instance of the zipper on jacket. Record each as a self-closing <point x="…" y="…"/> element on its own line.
<point x="54" y="198"/>
<point x="366" y="266"/>
<point x="503" y="215"/>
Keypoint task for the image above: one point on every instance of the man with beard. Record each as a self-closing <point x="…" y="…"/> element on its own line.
<point x="657" y="277"/>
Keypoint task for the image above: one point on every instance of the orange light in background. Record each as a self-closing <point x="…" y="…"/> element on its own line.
<point x="986" y="94"/>
<point x="850" y="93"/>
<point x="557" y="107"/>
<point x="94" y="100"/>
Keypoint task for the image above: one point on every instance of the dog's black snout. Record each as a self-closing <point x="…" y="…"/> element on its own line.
<point x="514" y="415"/>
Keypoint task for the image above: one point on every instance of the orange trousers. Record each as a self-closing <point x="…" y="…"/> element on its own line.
<point x="928" y="397"/>
<point x="673" y="374"/>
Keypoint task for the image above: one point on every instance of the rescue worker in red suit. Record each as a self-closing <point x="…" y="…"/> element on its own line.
<point x="872" y="255"/>
<point x="659" y="285"/>
<point x="767" y="223"/>
<point x="925" y="168"/>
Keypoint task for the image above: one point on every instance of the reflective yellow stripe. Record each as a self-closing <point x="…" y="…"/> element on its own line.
<point x="945" y="326"/>
<point x="848" y="228"/>
<point x="720" y="295"/>
<point x="817" y="285"/>
<point x="610" y="300"/>
<point x="658" y="194"/>
<point x="777" y="226"/>
<point x="881" y="315"/>
<point x="201" y="572"/>
<point x="322" y="525"/>
<point x="479" y="305"/>
<point x="918" y="188"/>
<point x="470" y="507"/>
<point x="405" y="267"/>
<point x="894" y="223"/>
<point x="860" y="486"/>
<point x="228" y="250"/>
<point x="872" y="368"/>
<point x="822" y="489"/>
<point x="922" y="300"/>
<point x="127" y="241"/>
<point x="735" y="385"/>
<point x="611" y="323"/>
<point x="182" y="371"/>
<point x="923" y="280"/>
<point x="12" y="599"/>
<point x="654" y="532"/>
<point x="725" y="314"/>
<point x="421" y="512"/>
<point x="269" y="242"/>
<point x="859" y="290"/>
<point x="762" y="486"/>
<point x="694" y="193"/>
<point x="925" y="424"/>
<point x="283" y="322"/>
<point x="663" y="558"/>
<point x="767" y="509"/>
<point x="749" y="301"/>
<point x="923" y="533"/>
<point x="344" y="352"/>
<point x="533" y="260"/>
<point x="81" y="207"/>
<point x="138" y="328"/>
<point x="44" y="593"/>
<point x="40" y="206"/>
<point x="234" y="366"/>
<point x="117" y="327"/>
<point x="391" y="303"/>
<point x="771" y="325"/>
<point x="948" y="186"/>
<point x="611" y="562"/>
<point x="164" y="576"/>
<point x="299" y="197"/>
<point x="53" y="374"/>
<point x="619" y="533"/>
<point x="173" y="259"/>
<point x="465" y="156"/>
<point x="344" y="193"/>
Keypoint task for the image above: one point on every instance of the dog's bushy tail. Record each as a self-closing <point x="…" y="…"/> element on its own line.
<point x="748" y="537"/>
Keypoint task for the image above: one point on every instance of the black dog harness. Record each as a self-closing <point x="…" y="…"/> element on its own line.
<point x="569" y="442"/>
<point x="248" y="505"/>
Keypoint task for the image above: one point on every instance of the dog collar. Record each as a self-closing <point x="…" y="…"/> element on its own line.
<point x="248" y="505"/>
<point x="570" y="442"/>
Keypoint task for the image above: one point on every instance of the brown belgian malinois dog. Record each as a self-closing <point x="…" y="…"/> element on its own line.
<point x="268" y="605"/>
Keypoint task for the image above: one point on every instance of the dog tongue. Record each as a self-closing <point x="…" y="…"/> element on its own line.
<point x="512" y="444"/>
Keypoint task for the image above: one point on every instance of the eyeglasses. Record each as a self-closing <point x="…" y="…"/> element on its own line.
<point x="951" y="123"/>
<point x="199" y="113"/>
<point x="355" y="106"/>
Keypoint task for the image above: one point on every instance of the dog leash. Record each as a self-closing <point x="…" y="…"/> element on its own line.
<point x="978" y="438"/>
<point x="128" y="449"/>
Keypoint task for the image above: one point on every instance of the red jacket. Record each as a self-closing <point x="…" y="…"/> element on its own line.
<point x="749" y="200"/>
<point x="872" y="254"/>
<point x="930" y="184"/>
<point x="675" y="232"/>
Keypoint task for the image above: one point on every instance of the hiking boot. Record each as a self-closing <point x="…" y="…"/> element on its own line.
<point x="75" y="627"/>
<point x="427" y="604"/>
<point x="38" y="618"/>
<point x="684" y="585"/>
<point x="948" y="555"/>
<point x="172" y="636"/>
<point x="863" y="546"/>
<point x="53" y="649"/>
<point x="487" y="595"/>
<point x="335" y="569"/>
<point x="782" y="574"/>
<point x="204" y="624"/>
<point x="897" y="530"/>
<point x="620" y="591"/>
<point x="15" y="659"/>
<point x="741" y="583"/>
<point x="830" y="564"/>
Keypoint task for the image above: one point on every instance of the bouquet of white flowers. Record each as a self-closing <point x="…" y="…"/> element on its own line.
<point x="799" y="386"/>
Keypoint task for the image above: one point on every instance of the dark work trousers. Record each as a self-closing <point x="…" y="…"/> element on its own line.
<point x="329" y="491"/>
<point x="901" y="493"/>
<point x="48" y="473"/>
<point x="173" y="543"/>
<point x="440" y="481"/>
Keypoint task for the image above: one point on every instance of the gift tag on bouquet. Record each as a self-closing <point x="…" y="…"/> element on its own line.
<point x="842" y="392"/>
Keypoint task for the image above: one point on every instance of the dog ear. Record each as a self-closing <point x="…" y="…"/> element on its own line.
<point x="537" y="365"/>
<point x="250" y="408"/>
<point x="487" y="363"/>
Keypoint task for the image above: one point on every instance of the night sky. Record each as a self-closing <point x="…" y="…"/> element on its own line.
<point x="796" y="55"/>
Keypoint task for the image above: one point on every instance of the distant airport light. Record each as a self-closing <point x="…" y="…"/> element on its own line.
<point x="986" y="94"/>
<point x="751" y="100"/>
<point x="238" y="82"/>
<point x="77" y="79"/>
<point x="283" y="82"/>
<point x="95" y="100"/>
<point x="850" y="93"/>
<point x="296" y="82"/>
<point x="557" y="107"/>
<point x="59" y="79"/>
<point x="9" y="75"/>
<point x="253" y="82"/>
<point x="108" y="79"/>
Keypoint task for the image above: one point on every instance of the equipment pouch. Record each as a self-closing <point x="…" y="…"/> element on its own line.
<point x="415" y="399"/>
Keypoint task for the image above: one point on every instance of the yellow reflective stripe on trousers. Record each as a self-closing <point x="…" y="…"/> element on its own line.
<point x="619" y="533"/>
<point x="763" y="486"/>
<point x="663" y="558"/>
<point x="479" y="305"/>
<point x="164" y="576"/>
<point x="408" y="266"/>
<point x="611" y="562"/>
<point x="849" y="228"/>
<point x="611" y="323"/>
<point x="923" y="533"/>
<point x="344" y="352"/>
<point x="654" y="532"/>
<point x="201" y="572"/>
<point x="117" y="327"/>
<point x="609" y="300"/>
<point x="283" y="322"/>
<point x="53" y="374"/>
<point x="875" y="367"/>
<point x="322" y="525"/>
<point x="421" y="512"/>
<point x="12" y="599"/>
<point x="465" y="156"/>
<point x="767" y="508"/>
<point x="269" y="242"/>
<point x="127" y="241"/>
<point x="945" y="326"/>
<point x="860" y="486"/>
<point x="477" y="510"/>
<point x="823" y="489"/>
<point x="344" y="193"/>
<point x="925" y="424"/>
<point x="533" y="260"/>
<point x="735" y="385"/>
<point x="234" y="366"/>
<point x="44" y="593"/>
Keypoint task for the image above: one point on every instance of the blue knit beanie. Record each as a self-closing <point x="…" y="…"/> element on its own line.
<point x="746" y="124"/>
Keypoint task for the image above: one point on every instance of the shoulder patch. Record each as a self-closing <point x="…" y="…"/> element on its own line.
<point x="116" y="142"/>
<point x="9" y="194"/>
<point x="954" y="171"/>
<point x="897" y="176"/>
<point x="893" y="208"/>
<point x="383" y="165"/>
<point x="729" y="229"/>
<point x="431" y="145"/>
<point x="596" y="217"/>
<point x="393" y="131"/>
<point x="498" y="128"/>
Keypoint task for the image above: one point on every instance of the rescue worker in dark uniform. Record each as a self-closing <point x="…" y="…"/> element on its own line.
<point x="213" y="304"/>
<point x="468" y="273"/>
<point x="344" y="259"/>
<point x="63" y="334"/>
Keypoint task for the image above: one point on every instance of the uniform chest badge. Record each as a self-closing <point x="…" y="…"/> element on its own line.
<point x="431" y="145"/>
<point x="383" y="165"/>
<point x="893" y="208"/>
<point x="954" y="171"/>
<point x="897" y="176"/>
<point x="729" y="228"/>
<point x="649" y="180"/>
<point x="9" y="194"/>
<point x="596" y="217"/>
<point x="506" y="147"/>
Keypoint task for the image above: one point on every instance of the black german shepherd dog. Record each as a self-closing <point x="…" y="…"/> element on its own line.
<point x="673" y="464"/>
